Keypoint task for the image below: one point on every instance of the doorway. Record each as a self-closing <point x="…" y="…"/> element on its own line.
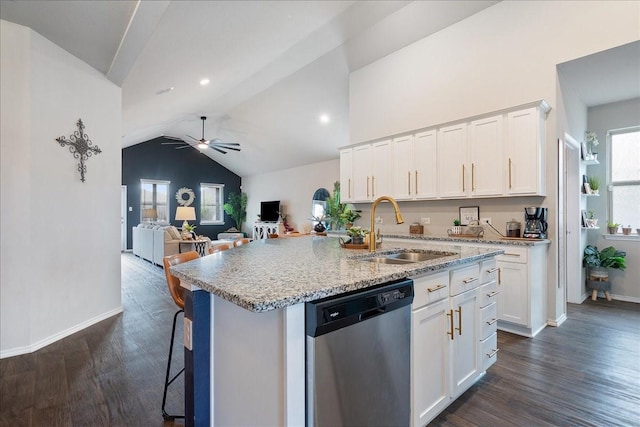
<point x="569" y="265"/>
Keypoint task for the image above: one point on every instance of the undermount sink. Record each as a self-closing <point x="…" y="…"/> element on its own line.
<point x="408" y="257"/>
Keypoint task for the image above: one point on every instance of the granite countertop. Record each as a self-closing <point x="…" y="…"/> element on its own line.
<point x="275" y="273"/>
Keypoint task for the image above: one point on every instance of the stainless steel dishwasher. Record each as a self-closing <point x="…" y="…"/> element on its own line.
<point x="358" y="357"/>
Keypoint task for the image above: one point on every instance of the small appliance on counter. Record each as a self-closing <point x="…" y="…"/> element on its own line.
<point x="535" y="223"/>
<point x="513" y="228"/>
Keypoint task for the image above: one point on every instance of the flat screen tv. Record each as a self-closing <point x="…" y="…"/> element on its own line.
<point x="269" y="211"/>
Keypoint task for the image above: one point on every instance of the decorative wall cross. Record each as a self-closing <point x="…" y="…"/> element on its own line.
<point x="80" y="146"/>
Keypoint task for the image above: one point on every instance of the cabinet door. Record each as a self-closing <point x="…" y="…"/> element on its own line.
<point x="525" y="167"/>
<point x="430" y="361"/>
<point x="381" y="177"/>
<point x="513" y="299"/>
<point x="486" y="154"/>
<point x="403" y="187"/>
<point x="465" y="342"/>
<point x="346" y="175"/>
<point x="361" y="173"/>
<point x="452" y="161"/>
<point x="425" y="161"/>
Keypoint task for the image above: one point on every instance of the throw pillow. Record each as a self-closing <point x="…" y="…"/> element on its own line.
<point x="174" y="233"/>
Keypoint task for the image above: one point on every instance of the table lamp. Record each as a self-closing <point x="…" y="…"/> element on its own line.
<point x="185" y="213"/>
<point x="149" y="214"/>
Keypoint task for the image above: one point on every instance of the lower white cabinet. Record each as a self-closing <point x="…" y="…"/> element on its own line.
<point x="446" y="344"/>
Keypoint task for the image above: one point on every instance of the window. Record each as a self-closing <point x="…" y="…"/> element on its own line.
<point x="624" y="166"/>
<point x="154" y="201"/>
<point x="211" y="201"/>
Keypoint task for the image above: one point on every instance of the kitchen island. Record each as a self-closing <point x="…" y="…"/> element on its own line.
<point x="245" y="327"/>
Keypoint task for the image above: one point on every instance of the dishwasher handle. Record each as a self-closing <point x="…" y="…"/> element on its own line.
<point x="372" y="313"/>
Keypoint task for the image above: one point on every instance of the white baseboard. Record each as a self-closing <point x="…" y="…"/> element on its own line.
<point x="625" y="298"/>
<point x="557" y="322"/>
<point x="56" y="337"/>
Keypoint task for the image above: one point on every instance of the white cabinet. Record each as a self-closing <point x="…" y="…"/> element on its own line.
<point x="522" y="302"/>
<point x="371" y="171"/>
<point x="415" y="166"/>
<point x="525" y="151"/>
<point x="346" y="175"/>
<point x="486" y="151"/>
<point x="452" y="161"/>
<point x="464" y="353"/>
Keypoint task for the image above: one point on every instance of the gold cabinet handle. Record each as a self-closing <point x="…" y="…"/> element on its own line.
<point x="367" y="186"/>
<point x="416" y="188"/>
<point x="491" y="270"/>
<point x="499" y="277"/>
<point x="511" y="254"/>
<point x="473" y="181"/>
<point x="409" y="181"/>
<point x="463" y="178"/>
<point x="492" y="294"/>
<point x="437" y="288"/>
<point x="450" y="315"/>
<point x="373" y="186"/>
<point x="459" y="328"/>
<point x="349" y="187"/>
<point x="510" y="173"/>
<point x="492" y="321"/>
<point x="469" y="280"/>
<point x="493" y="353"/>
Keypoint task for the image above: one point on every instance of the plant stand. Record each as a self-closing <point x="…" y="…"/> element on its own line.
<point x="599" y="281"/>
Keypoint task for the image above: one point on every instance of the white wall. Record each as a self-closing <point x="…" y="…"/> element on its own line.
<point x="600" y="120"/>
<point x="60" y="258"/>
<point x="293" y="187"/>
<point x="503" y="56"/>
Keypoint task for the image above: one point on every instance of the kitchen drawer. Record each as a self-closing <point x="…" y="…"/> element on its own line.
<point x="513" y="254"/>
<point x="488" y="271"/>
<point x="488" y="293"/>
<point x="489" y="351"/>
<point x="488" y="320"/>
<point x="430" y="288"/>
<point x="464" y="279"/>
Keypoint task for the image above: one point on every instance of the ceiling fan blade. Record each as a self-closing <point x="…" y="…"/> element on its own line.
<point x="193" y="138"/>
<point x="172" y="138"/>
<point x="224" y="148"/>
<point x="227" y="143"/>
<point x="184" y="146"/>
<point x="217" y="149"/>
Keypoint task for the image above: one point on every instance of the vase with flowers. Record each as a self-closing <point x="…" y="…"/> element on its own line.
<point x="592" y="142"/>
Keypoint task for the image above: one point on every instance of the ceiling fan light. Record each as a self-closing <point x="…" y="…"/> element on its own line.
<point x="202" y="146"/>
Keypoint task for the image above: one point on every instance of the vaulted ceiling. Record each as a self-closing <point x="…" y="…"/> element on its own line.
<point x="274" y="66"/>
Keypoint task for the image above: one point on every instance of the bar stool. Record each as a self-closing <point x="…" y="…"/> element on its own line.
<point x="177" y="294"/>
<point x="219" y="248"/>
<point x="240" y="242"/>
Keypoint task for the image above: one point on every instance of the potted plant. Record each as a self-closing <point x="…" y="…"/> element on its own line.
<point x="188" y="230"/>
<point x="319" y="223"/>
<point x="357" y="235"/>
<point x="626" y="230"/>
<point x="456" y="229"/>
<point x="598" y="261"/>
<point x="236" y="208"/>
<point x="594" y="184"/>
<point x="349" y="216"/>
<point x="592" y="143"/>
<point x="591" y="221"/>
<point x="335" y="209"/>
<point x="612" y="227"/>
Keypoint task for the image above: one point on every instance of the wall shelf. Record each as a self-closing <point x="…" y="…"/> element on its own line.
<point x="590" y="162"/>
<point x="590" y="228"/>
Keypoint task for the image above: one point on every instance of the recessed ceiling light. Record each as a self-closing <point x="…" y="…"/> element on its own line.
<point x="204" y="82"/>
<point x="324" y="119"/>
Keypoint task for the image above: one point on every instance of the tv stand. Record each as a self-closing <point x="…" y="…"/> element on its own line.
<point x="261" y="230"/>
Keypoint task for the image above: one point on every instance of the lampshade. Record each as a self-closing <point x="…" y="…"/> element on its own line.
<point x="149" y="213"/>
<point x="185" y="213"/>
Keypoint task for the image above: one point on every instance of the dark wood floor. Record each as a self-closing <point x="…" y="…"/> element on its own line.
<point x="585" y="373"/>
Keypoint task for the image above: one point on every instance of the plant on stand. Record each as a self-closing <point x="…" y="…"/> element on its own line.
<point x="456" y="229"/>
<point x="591" y="221"/>
<point x="349" y="216"/>
<point x="236" y="208"/>
<point x="357" y="234"/>
<point x="612" y="227"/>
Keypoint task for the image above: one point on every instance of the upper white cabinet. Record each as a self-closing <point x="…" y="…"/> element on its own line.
<point x="415" y="166"/>
<point x="372" y="176"/>
<point x="346" y="174"/>
<point x="486" y="148"/>
<point x="495" y="155"/>
<point x="452" y="162"/>
<point x="525" y="151"/>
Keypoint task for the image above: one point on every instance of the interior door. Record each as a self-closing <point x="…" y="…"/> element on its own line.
<point x="123" y="218"/>
<point x="569" y="250"/>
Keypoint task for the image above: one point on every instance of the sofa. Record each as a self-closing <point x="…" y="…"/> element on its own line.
<point x="154" y="242"/>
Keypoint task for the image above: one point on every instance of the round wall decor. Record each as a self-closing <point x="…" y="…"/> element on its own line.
<point x="185" y="196"/>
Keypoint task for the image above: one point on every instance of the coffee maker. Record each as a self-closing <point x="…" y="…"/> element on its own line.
<point x="535" y="223"/>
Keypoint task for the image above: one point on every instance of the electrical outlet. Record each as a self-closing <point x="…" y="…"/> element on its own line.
<point x="425" y="221"/>
<point x="378" y="220"/>
<point x="188" y="337"/>
<point x="485" y="220"/>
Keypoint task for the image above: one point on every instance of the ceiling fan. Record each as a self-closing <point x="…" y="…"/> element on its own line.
<point x="215" y="143"/>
